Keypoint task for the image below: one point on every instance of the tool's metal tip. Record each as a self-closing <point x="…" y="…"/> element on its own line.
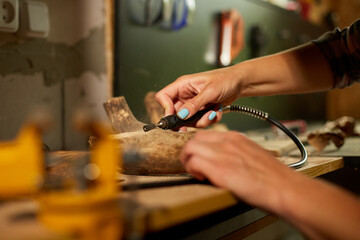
<point x="226" y="109"/>
<point x="149" y="127"/>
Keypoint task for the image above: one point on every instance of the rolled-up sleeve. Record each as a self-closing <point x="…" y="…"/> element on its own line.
<point x="342" y="50"/>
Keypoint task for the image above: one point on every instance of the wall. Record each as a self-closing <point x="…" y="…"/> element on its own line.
<point x="149" y="58"/>
<point x="64" y="71"/>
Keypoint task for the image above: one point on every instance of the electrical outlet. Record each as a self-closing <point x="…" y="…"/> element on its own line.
<point x="9" y="15"/>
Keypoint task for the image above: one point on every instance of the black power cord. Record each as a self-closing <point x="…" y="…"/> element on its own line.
<point x="265" y="117"/>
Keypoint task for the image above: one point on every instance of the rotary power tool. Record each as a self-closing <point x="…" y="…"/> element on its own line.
<point x="174" y="122"/>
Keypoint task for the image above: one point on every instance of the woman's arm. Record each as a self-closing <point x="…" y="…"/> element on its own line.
<point x="299" y="70"/>
<point x="321" y="210"/>
<point x="231" y="161"/>
<point x="302" y="69"/>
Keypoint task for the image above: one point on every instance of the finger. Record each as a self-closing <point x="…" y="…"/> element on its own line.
<point x="196" y="148"/>
<point x="195" y="166"/>
<point x="207" y="119"/>
<point x="177" y="105"/>
<point x="166" y="98"/>
<point x="182" y="129"/>
<point x="218" y="115"/>
<point x="211" y="117"/>
<point x="212" y="136"/>
<point x="219" y="112"/>
<point x="197" y="175"/>
<point x="203" y="168"/>
<point x="195" y="104"/>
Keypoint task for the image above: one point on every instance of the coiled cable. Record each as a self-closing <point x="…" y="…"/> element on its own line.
<point x="265" y="117"/>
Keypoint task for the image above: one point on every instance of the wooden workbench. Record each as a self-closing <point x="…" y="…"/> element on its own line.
<point x="168" y="206"/>
<point x="155" y="209"/>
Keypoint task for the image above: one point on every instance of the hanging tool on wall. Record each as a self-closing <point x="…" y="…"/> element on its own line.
<point x="177" y="14"/>
<point x="172" y="14"/>
<point x="231" y="36"/>
<point x="145" y="12"/>
<point x="257" y="41"/>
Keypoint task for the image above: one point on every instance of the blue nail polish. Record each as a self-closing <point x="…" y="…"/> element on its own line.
<point x="183" y="113"/>
<point x="220" y="107"/>
<point x="212" y="115"/>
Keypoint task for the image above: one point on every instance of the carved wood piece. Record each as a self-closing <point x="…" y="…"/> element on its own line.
<point x="121" y="117"/>
<point x="153" y="108"/>
<point x="153" y="153"/>
<point x="144" y="153"/>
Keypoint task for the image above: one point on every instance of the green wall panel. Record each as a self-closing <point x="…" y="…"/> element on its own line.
<point x="149" y="58"/>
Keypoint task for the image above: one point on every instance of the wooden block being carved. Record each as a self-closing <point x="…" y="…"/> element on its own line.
<point x="153" y="108"/>
<point x="121" y="117"/>
<point x="145" y="153"/>
<point x="153" y="153"/>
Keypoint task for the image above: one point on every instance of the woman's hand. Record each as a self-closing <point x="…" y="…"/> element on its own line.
<point x="232" y="161"/>
<point x="190" y="93"/>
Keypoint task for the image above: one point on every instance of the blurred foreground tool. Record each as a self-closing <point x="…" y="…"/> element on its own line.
<point x="88" y="207"/>
<point x="22" y="165"/>
<point x="84" y="206"/>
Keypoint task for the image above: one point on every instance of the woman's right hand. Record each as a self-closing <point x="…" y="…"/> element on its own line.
<point x="191" y="93"/>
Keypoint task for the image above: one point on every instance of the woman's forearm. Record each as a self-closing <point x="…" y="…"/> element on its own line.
<point x="299" y="70"/>
<point x="321" y="210"/>
<point x="232" y="161"/>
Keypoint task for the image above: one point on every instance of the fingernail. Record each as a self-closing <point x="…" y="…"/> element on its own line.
<point x="220" y="107"/>
<point x="212" y="115"/>
<point x="183" y="113"/>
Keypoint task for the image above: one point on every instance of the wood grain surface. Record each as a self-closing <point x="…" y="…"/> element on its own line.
<point x="144" y="210"/>
<point x="168" y="206"/>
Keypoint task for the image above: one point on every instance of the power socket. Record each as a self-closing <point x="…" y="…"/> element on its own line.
<point x="9" y="15"/>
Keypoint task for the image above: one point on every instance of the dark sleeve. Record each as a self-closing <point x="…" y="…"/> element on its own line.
<point x="342" y="50"/>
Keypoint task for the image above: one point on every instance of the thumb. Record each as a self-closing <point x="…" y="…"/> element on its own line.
<point x="193" y="105"/>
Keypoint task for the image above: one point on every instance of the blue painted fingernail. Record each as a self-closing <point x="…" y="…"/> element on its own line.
<point x="183" y="113"/>
<point x="220" y="107"/>
<point x="212" y="115"/>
